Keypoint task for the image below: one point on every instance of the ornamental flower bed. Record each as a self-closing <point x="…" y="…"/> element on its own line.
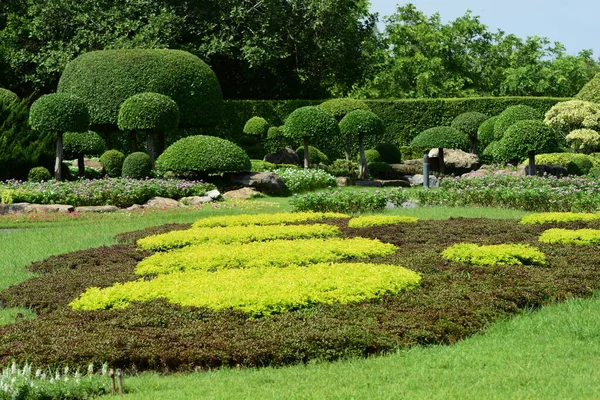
<point x="545" y="218"/>
<point x="499" y="254"/>
<point x="379" y="220"/>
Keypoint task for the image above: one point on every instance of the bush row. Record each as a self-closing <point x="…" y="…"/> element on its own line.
<point x="263" y="219"/>
<point x="496" y="254"/>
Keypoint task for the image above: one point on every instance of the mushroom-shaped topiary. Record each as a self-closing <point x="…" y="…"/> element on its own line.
<point x="339" y="108"/>
<point x="360" y="123"/>
<point x="256" y="126"/>
<point x="137" y="165"/>
<point x="7" y="96"/>
<point x="442" y="137"/>
<point x="485" y="133"/>
<point x="525" y="138"/>
<point x="80" y="144"/>
<point x="149" y="113"/>
<point x="511" y="115"/>
<point x="310" y="122"/>
<point x="199" y="156"/>
<point x="59" y="113"/>
<point x="468" y="123"/>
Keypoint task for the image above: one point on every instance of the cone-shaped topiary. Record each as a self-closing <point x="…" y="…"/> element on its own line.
<point x="339" y="108"/>
<point x="137" y="165"/>
<point x="361" y="123"/>
<point x="8" y="96"/>
<point x="59" y="113"/>
<point x="590" y="91"/>
<point x="442" y="137"/>
<point x="485" y="133"/>
<point x="198" y="156"/>
<point x="112" y="162"/>
<point x="511" y="115"/>
<point x="468" y="123"/>
<point x="307" y="123"/>
<point x="256" y="126"/>
<point x="525" y="138"/>
<point x="80" y="144"/>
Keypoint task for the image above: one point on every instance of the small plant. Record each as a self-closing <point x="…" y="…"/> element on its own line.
<point x="501" y="254"/>
<point x="580" y="237"/>
<point x="39" y="174"/>
<point x="303" y="180"/>
<point x="553" y="217"/>
<point x="351" y="202"/>
<point x="468" y="123"/>
<point x="260" y="165"/>
<point x="137" y="165"/>
<point x="584" y="140"/>
<point x="380" y="170"/>
<point x="342" y="167"/>
<point x="315" y="156"/>
<point x="81" y="144"/>
<point x="380" y="220"/>
<point x="358" y="124"/>
<point x="256" y="126"/>
<point x="112" y="163"/>
<point x="485" y="133"/>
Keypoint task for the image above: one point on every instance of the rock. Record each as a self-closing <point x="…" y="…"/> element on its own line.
<point x="101" y="209"/>
<point x="367" y="183"/>
<point x="266" y="182"/>
<point x="456" y="161"/>
<point x="243" y="193"/>
<point x="196" y="200"/>
<point x="283" y="156"/>
<point x="480" y="173"/>
<point x="394" y="182"/>
<point x="89" y="163"/>
<point x="417" y="180"/>
<point x="213" y="194"/>
<point x="134" y="207"/>
<point x="344" y="181"/>
<point x="408" y="169"/>
<point x="162" y="202"/>
<point x="410" y="204"/>
<point x="547" y="169"/>
<point x="12" y="208"/>
<point x="48" y="208"/>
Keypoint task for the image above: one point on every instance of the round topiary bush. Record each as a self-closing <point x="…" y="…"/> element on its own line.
<point x="77" y="144"/>
<point x="390" y="153"/>
<point x="380" y="170"/>
<point x="441" y="137"/>
<point x="584" y="140"/>
<point x="105" y="79"/>
<point x="372" y="155"/>
<point x="485" y="133"/>
<point x="137" y="165"/>
<point x="511" y="115"/>
<point x="494" y="153"/>
<point x="358" y="124"/>
<point x="112" y="162"/>
<point x="579" y="166"/>
<point x="202" y="155"/>
<point x="7" y="96"/>
<point x="39" y="174"/>
<point x="525" y="138"/>
<point x="342" y="106"/>
<point x="315" y="156"/>
<point x="344" y="168"/>
<point x="256" y="126"/>
<point x="590" y="91"/>
<point x="468" y="123"/>
<point x="59" y="112"/>
<point x="148" y="111"/>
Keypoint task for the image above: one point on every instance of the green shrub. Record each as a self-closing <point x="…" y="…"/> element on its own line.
<point x="380" y="170"/>
<point x="348" y="202"/>
<point x="579" y="166"/>
<point x="569" y="115"/>
<point x="86" y="144"/>
<point x="580" y="237"/>
<point x="299" y="180"/>
<point x="148" y="112"/>
<point x="358" y="124"/>
<point x="584" y="140"/>
<point x="112" y="162"/>
<point x="59" y="112"/>
<point x="137" y="165"/>
<point x="413" y="153"/>
<point x="276" y="141"/>
<point x="554" y="217"/>
<point x="443" y="137"/>
<point x="499" y="254"/>
<point x="468" y="123"/>
<point x="594" y="172"/>
<point x="485" y="133"/>
<point x="315" y="156"/>
<point x="389" y="153"/>
<point x="203" y="155"/>
<point x="590" y="91"/>
<point x="342" y="106"/>
<point x="256" y="126"/>
<point x="494" y="153"/>
<point x="282" y="218"/>
<point x="372" y="156"/>
<point x="260" y="166"/>
<point x="7" y="96"/>
<point x="342" y="167"/>
<point x="526" y="136"/>
<point x="563" y="159"/>
<point x="39" y="174"/>
<point x="105" y="79"/>
<point x="512" y="115"/>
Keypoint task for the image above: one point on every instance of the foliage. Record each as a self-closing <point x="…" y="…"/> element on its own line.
<point x="499" y="254"/>
<point x="263" y="219"/>
<point x="302" y="180"/>
<point x="59" y="112"/>
<point x="256" y="126"/>
<point x="260" y="165"/>
<point x="584" y="140"/>
<point x="594" y="172"/>
<point x="235" y="235"/>
<point x="443" y="137"/>
<point x="526" y="136"/>
<point x="342" y="167"/>
<point x="38" y="174"/>
<point x="350" y="202"/>
<point x="118" y="192"/>
<point x="579" y="166"/>
<point x="563" y="159"/>
<point x="82" y="143"/>
<point x="591" y="90"/>
<point x="573" y="114"/>
<point x="203" y="155"/>
<point x="512" y="115"/>
<point x="315" y="156"/>
<point x="105" y="79"/>
<point x="310" y="122"/>
<point x="372" y="155"/>
<point x="580" y="237"/>
<point x="389" y="153"/>
<point x="148" y="111"/>
<point x="137" y="165"/>
<point x="554" y="217"/>
<point x="112" y="163"/>
<point x="274" y="253"/>
<point x="341" y="106"/>
<point x="380" y="170"/>
<point x="413" y="153"/>
<point x="485" y="133"/>
<point x="469" y="123"/>
<point x="7" y="96"/>
<point x="276" y="141"/>
<point x="379" y="220"/>
<point x="360" y="123"/>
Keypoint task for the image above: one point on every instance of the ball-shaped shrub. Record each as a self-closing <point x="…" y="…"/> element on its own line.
<point x="105" y="79"/>
<point x="511" y="115"/>
<point x="579" y="166"/>
<point x="527" y="136"/>
<point x="380" y="170"/>
<point x="568" y="116"/>
<point x="584" y="140"/>
<point x="148" y="111"/>
<point x="82" y="143"/>
<point x="7" y="96"/>
<point x="59" y="112"/>
<point x="441" y="137"/>
<point x="485" y="132"/>
<point x="390" y="153"/>
<point x="137" y="165"/>
<point x="310" y="122"/>
<point x="112" y="162"/>
<point x="372" y="155"/>
<point x="361" y="122"/>
<point x="494" y="152"/>
<point x="469" y="123"/>
<point x="256" y="126"/>
<point x="203" y="155"/>
<point x="342" y="106"/>
<point x="342" y="167"/>
<point x="590" y="91"/>
<point x="315" y="156"/>
<point x="39" y="174"/>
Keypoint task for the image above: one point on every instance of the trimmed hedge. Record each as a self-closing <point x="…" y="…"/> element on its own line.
<point x="553" y="217"/>
<point x="105" y="79"/>
<point x="263" y="219"/>
<point x="525" y="136"/>
<point x="380" y="220"/>
<point x="580" y="237"/>
<point x="59" y="112"/>
<point x="148" y="111"/>
<point x="137" y="165"/>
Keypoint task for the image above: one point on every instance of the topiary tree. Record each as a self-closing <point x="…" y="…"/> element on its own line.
<point x="137" y="165"/>
<point x="584" y="140"/>
<point x="511" y="115"/>
<point x="59" y="113"/>
<point x="442" y="137"/>
<point x="151" y="113"/>
<point x="339" y="108"/>
<point x="256" y="126"/>
<point x="39" y="174"/>
<point x="485" y="133"/>
<point x="199" y="156"/>
<point x="276" y="140"/>
<point x="390" y="153"/>
<point x="525" y="138"/>
<point x="590" y="91"/>
<point x="315" y="156"/>
<point x="568" y="116"/>
<point x="468" y="123"/>
<point x="310" y="122"/>
<point x="7" y="96"/>
<point x="361" y="123"/>
<point x="80" y="144"/>
<point x="371" y="155"/>
<point x="112" y="162"/>
<point x="494" y="153"/>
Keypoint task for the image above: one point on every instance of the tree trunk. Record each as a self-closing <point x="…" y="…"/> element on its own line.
<point x="80" y="165"/>
<point x="150" y="146"/>
<point x="473" y="146"/>
<point x="531" y="163"/>
<point x="305" y="152"/>
<point x="347" y="149"/>
<point x="59" y="157"/>
<point x="160" y="145"/>
<point x="132" y="141"/>
<point x="362" y="172"/>
<point x="441" y="161"/>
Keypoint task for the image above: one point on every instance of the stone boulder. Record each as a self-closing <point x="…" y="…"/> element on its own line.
<point x="98" y="209"/>
<point x="547" y="169"/>
<point x="411" y="167"/>
<point x="344" y="181"/>
<point x="243" y="193"/>
<point x="394" y="182"/>
<point x="283" y="156"/>
<point x="13" y="208"/>
<point x="417" y="180"/>
<point x="455" y="161"/>
<point x="196" y="200"/>
<point x="367" y="183"/>
<point x="48" y="208"/>
<point x="213" y="194"/>
<point x="265" y="182"/>
<point x="162" y="202"/>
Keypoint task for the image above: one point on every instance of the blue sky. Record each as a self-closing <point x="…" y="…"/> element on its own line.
<point x="574" y="23"/>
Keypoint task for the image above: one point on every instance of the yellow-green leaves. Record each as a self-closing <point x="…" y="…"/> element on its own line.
<point x="582" y="237"/>
<point x="550" y="217"/>
<point x="264" y="219"/>
<point x="379" y="220"/>
<point x="503" y="254"/>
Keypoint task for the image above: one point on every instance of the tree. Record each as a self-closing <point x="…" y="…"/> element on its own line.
<point x="510" y="116"/>
<point x="359" y="123"/>
<point x="468" y="123"/>
<point x="340" y="108"/>
<point x="80" y="144"/>
<point x="59" y="113"/>
<point x="442" y="137"/>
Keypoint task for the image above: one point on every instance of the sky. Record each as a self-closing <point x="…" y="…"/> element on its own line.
<point x="574" y="23"/>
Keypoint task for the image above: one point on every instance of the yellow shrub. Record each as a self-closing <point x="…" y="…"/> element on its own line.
<point x="549" y="217"/>
<point x="276" y="253"/>
<point x="582" y="237"/>
<point x="379" y="220"/>
<point x="263" y="219"/>
<point x="235" y="234"/>
<point x="259" y="291"/>
<point x="502" y="254"/>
